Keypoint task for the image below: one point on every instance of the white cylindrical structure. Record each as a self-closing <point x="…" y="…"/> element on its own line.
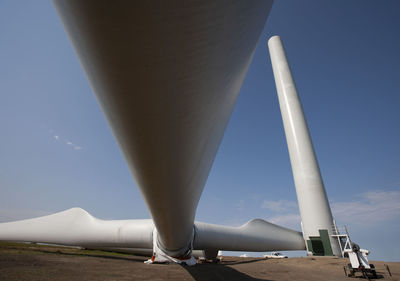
<point x="313" y="202"/>
<point x="166" y="75"/>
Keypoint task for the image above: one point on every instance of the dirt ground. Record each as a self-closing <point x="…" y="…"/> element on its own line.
<point x="38" y="262"/>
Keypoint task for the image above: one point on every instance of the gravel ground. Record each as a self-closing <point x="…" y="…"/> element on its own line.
<point x="37" y="262"/>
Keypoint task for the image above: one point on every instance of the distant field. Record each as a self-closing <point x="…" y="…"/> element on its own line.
<point x="42" y="262"/>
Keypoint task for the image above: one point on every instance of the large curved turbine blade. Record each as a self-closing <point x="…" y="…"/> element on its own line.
<point x="166" y="74"/>
<point x="76" y="227"/>
<point x="254" y="236"/>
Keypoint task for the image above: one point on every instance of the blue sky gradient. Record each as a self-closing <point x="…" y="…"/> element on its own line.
<point x="57" y="151"/>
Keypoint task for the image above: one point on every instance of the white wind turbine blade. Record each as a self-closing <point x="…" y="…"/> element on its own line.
<point x="76" y="227"/>
<point x="166" y="75"/>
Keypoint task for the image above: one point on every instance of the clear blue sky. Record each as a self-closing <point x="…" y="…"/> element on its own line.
<point x="57" y="152"/>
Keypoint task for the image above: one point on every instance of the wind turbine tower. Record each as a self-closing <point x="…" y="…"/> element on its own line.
<point x="316" y="215"/>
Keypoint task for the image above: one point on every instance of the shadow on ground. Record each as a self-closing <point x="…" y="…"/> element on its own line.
<point x="216" y="272"/>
